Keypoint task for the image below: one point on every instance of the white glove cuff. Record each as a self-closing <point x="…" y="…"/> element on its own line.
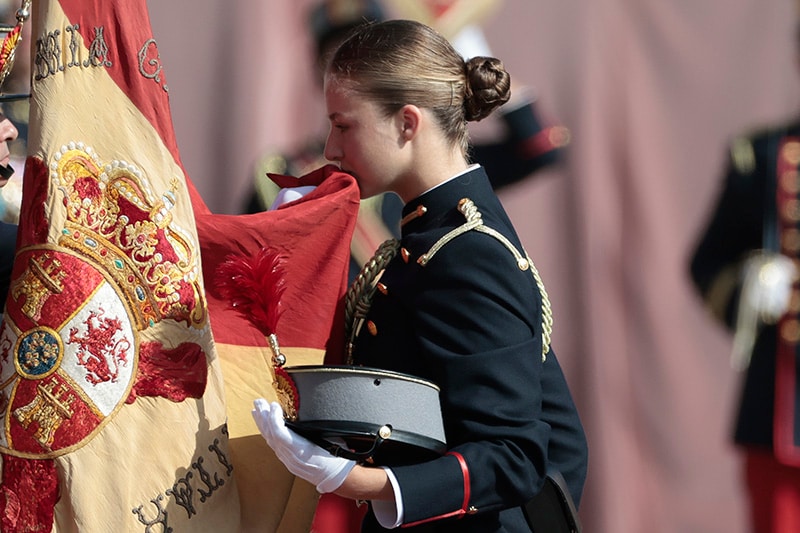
<point x="336" y="478"/>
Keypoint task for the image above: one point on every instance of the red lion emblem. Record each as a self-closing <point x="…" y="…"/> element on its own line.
<point x="98" y="352"/>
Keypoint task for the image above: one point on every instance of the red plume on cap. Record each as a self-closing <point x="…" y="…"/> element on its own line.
<point x="254" y="286"/>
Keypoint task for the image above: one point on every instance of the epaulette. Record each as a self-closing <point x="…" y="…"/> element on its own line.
<point x="743" y="147"/>
<point x="743" y="156"/>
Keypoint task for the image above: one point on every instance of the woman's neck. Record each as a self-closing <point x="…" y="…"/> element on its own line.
<point x="429" y="173"/>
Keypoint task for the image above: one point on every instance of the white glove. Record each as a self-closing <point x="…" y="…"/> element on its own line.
<point x="290" y="194"/>
<point x="767" y="288"/>
<point x="767" y="281"/>
<point x="301" y="457"/>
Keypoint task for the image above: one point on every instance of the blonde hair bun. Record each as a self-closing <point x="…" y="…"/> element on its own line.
<point x="488" y="87"/>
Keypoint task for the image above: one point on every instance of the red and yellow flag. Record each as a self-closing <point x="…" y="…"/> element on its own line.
<point x="112" y="394"/>
<point x="313" y="237"/>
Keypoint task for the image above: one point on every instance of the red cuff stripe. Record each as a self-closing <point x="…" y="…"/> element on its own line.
<point x="459" y="513"/>
<point x="465" y="473"/>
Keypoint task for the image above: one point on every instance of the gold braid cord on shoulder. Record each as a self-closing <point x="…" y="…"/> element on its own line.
<point x="524" y="262"/>
<point x="743" y="155"/>
<point x="360" y="294"/>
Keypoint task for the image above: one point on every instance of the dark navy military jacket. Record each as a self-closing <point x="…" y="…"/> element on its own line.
<point x="471" y="321"/>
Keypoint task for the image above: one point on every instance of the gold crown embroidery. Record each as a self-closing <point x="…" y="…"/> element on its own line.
<point x="114" y="219"/>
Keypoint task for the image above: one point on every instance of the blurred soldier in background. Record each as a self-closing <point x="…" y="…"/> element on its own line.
<point x="745" y="267"/>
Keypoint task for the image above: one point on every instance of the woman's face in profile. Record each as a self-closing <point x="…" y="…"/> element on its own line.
<point x="362" y="139"/>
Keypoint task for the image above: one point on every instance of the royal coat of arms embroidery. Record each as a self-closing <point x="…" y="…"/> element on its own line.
<point x="69" y="349"/>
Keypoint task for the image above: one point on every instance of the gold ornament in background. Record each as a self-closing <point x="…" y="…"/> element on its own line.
<point x="448" y="17"/>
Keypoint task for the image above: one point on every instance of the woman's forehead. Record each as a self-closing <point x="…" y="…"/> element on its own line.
<point x="341" y="93"/>
<point x="337" y="82"/>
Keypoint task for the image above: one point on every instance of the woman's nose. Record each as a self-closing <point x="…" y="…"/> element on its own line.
<point x="332" y="152"/>
<point x="8" y="132"/>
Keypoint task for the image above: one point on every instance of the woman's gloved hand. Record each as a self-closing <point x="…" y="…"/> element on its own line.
<point x="301" y="457"/>
<point x="290" y="194"/>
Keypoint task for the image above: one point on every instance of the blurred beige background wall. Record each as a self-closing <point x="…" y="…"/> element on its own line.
<point x="652" y="92"/>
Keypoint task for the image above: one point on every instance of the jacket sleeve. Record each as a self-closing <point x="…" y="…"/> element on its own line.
<point x="733" y="230"/>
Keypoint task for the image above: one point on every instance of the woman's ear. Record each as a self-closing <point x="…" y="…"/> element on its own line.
<point x="410" y="118"/>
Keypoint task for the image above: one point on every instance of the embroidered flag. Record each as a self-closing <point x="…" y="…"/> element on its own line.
<point x="111" y="386"/>
<point x="111" y="391"/>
